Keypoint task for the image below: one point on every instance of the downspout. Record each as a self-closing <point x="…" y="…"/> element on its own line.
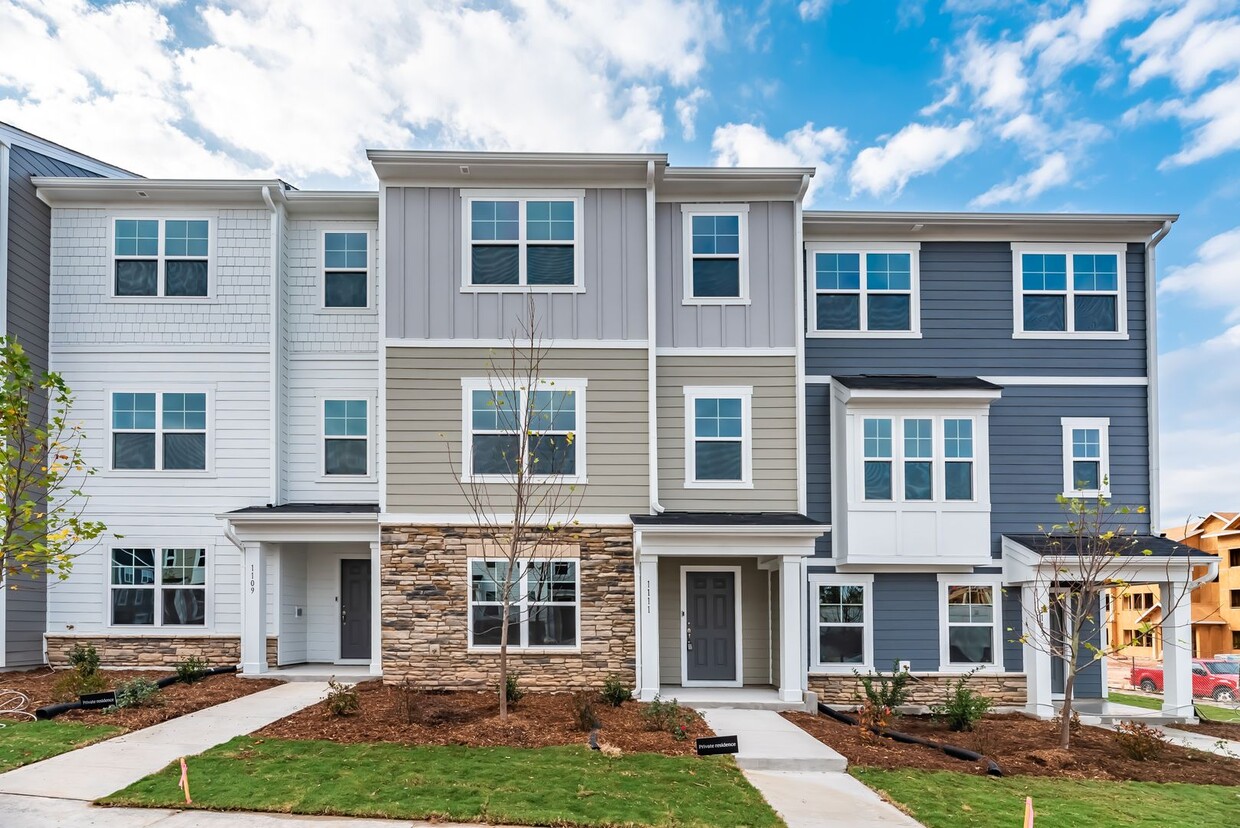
<point x="4" y="236"/>
<point x="799" y="334"/>
<point x="232" y="536"/>
<point x="652" y="388"/>
<point x="276" y="324"/>
<point x="1151" y="371"/>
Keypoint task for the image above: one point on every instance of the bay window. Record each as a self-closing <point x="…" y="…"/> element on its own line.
<point x="932" y="462"/>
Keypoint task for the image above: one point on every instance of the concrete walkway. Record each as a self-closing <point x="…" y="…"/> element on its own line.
<point x="769" y="742"/>
<point x="1202" y="741"/>
<point x="98" y="770"/>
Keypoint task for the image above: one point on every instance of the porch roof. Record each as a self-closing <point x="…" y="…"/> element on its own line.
<point x="1143" y="546"/>
<point x="772" y="519"/>
<point x="310" y="509"/>
<point x="914" y="382"/>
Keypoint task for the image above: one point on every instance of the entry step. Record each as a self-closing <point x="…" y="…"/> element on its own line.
<point x="767" y="741"/>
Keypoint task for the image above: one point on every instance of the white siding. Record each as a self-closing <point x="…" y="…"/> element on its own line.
<point x="311" y="379"/>
<point x="292" y="596"/>
<point x="311" y="328"/>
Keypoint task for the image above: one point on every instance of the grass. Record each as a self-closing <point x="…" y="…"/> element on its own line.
<point x="1209" y="711"/>
<point x="565" y="786"/>
<point x="959" y="800"/>
<point x="24" y="742"/>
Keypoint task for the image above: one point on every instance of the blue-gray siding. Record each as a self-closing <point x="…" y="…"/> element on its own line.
<point x="967" y="322"/>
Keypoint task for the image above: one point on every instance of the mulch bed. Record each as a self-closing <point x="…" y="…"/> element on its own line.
<point x="173" y="701"/>
<point x="1022" y="747"/>
<point x="472" y="719"/>
<point x="1221" y="730"/>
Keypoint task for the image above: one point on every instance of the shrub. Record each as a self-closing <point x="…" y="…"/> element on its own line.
<point x="871" y="715"/>
<point x="584" y="717"/>
<point x="667" y="716"/>
<point x="615" y="691"/>
<point x="964" y="707"/>
<point x="84" y="660"/>
<point x="191" y="670"/>
<point x="410" y="698"/>
<point x="1139" y="741"/>
<point x="886" y="692"/>
<point x="1074" y="723"/>
<point x="512" y="688"/>
<point x="342" y="699"/>
<point x="139" y="692"/>
<point x="73" y="684"/>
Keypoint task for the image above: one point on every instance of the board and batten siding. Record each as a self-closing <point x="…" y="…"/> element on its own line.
<point x="424" y="420"/>
<point x="773" y="379"/>
<point x="767" y="321"/>
<point x="967" y="321"/>
<point x="424" y="299"/>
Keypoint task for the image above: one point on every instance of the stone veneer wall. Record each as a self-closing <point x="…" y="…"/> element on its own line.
<point x="425" y="604"/>
<point x="1004" y="689"/>
<point x="154" y="651"/>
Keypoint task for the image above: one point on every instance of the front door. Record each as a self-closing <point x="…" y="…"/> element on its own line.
<point x="355" y="609"/>
<point x="710" y="627"/>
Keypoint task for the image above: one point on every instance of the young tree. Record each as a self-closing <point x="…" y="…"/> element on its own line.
<point x="521" y="492"/>
<point x="40" y="502"/>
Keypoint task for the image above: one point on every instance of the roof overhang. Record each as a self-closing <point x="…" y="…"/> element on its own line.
<point x="13" y="136"/>
<point x="730" y="184"/>
<point x="279" y="526"/>
<point x="147" y="192"/>
<point x="1024" y="566"/>
<point x="829" y="225"/>
<point x="332" y="204"/>
<point x="428" y="168"/>
<point x="860" y="397"/>
<point x="765" y="541"/>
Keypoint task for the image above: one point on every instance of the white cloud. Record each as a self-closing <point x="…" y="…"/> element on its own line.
<point x="995" y="72"/>
<point x="915" y="150"/>
<point x="1213" y="278"/>
<point x="1186" y="46"/>
<point x="1074" y="37"/>
<point x="687" y="110"/>
<point x="1051" y="172"/>
<point x="747" y="145"/>
<point x="1218" y="114"/>
<point x="812" y="9"/>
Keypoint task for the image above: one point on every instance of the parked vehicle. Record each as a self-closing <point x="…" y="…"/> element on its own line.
<point x="1216" y="678"/>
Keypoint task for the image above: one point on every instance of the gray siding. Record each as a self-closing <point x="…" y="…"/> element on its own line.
<point x="967" y="322"/>
<point x="29" y="258"/>
<point x="424" y="421"/>
<point x="774" y="431"/>
<point x="423" y="273"/>
<point x="768" y="321"/>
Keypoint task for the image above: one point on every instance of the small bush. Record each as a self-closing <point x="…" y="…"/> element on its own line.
<point x="342" y="699"/>
<point x="1074" y="723"/>
<point x="73" y="684"/>
<point x="584" y="717"/>
<point x="513" y="689"/>
<point x="667" y="716"/>
<point x="139" y="692"/>
<point x="886" y="692"/>
<point x="84" y="660"/>
<point x="871" y="715"/>
<point x="1139" y="741"/>
<point x="964" y="707"/>
<point x="410" y="701"/>
<point x="191" y="670"/>
<point x="615" y="691"/>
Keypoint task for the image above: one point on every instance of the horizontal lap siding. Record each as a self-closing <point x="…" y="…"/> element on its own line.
<point x="311" y="378"/>
<point x="424" y="420"/>
<point x="774" y="431"/>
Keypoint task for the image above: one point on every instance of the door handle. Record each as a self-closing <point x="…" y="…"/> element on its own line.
<point x="344" y="614"/>
<point x="688" y="636"/>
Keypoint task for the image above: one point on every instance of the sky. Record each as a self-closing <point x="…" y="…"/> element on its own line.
<point x="1102" y="105"/>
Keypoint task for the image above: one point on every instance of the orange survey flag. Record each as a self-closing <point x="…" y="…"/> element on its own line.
<point x="185" y="781"/>
<point x="1028" y="809"/>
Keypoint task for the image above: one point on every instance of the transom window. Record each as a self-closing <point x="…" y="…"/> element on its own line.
<point x="159" y="431"/>
<point x="158" y="587"/>
<point x="971" y="614"/>
<point x="864" y="291"/>
<point x="544" y="605"/>
<point x="161" y="257"/>
<point x="1069" y="292"/>
<point x="1086" y="456"/>
<point x="346" y="261"/>
<point x="717" y="425"/>
<point x="346" y="438"/>
<point x="523" y="241"/>
<point x="504" y="436"/>
<point x="932" y="449"/>
<point x="716" y="239"/>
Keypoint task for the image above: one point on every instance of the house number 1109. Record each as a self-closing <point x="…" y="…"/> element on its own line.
<point x="251" y="577"/>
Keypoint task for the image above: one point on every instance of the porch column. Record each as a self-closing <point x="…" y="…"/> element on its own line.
<point x="648" y="626"/>
<point x="254" y="609"/>
<point x="1037" y="659"/>
<point x="1177" y="651"/>
<point x="791" y="628"/>
<point x="376" y="611"/>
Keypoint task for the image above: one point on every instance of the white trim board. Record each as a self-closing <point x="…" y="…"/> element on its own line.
<point x="864" y="580"/>
<point x="725" y="352"/>
<point x="638" y="344"/>
<point x="1032" y="379"/>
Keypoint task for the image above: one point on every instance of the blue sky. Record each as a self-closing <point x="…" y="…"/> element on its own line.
<point x="1101" y="105"/>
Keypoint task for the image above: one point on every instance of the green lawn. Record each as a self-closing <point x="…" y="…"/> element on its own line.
<point x="24" y="742"/>
<point x="1210" y="711"/>
<point x="959" y="800"/>
<point x="565" y="786"/>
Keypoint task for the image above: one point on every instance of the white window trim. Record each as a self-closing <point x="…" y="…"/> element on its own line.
<point x="471" y="384"/>
<point x="971" y="579"/>
<point x="521" y="606"/>
<point x="369" y="270"/>
<point x="688" y="211"/>
<point x="108" y="396"/>
<point x="938" y="459"/>
<point x="817" y="579"/>
<point x="685" y="681"/>
<point x="696" y="392"/>
<point x="522" y="196"/>
<point x="1103" y="425"/>
<point x="208" y="601"/>
<point x="861" y="248"/>
<point x="369" y="476"/>
<point x="1120" y="251"/>
<point x="160" y="258"/>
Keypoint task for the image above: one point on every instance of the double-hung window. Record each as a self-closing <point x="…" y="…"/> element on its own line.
<point x="970" y="614"/>
<point x="1074" y="291"/>
<point x="841" y="624"/>
<point x="158" y="587"/>
<point x="540" y="432"/>
<point x="543" y="608"/>
<point x="718" y="450"/>
<point x="716" y="253"/>
<point x="346" y="279"/>
<point x="159" y="431"/>
<point x="1086" y="456"/>
<point x="346" y="438"/>
<point x="933" y="460"/>
<point x="161" y="257"/>
<point x="864" y="290"/>
<point x="523" y="241"/>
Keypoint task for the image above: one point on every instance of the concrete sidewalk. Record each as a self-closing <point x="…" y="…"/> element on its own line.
<point x="98" y="770"/>
<point x="1202" y="741"/>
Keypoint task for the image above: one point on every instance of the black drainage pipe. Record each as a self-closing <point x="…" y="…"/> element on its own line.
<point x="992" y="768"/>
<point x="51" y="711"/>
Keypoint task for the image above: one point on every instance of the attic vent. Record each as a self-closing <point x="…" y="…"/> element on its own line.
<point x="464" y="169"/>
<point x="142" y="194"/>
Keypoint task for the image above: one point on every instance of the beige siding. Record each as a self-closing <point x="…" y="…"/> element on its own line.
<point x="424" y="425"/>
<point x="774" y="431"/>
<point x="755" y="615"/>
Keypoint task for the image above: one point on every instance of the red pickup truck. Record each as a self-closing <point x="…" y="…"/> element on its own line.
<point x="1215" y="678"/>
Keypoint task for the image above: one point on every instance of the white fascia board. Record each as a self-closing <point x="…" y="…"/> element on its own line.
<point x="862" y="396"/>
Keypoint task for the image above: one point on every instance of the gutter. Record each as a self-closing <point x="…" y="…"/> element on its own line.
<point x="652" y="388"/>
<point x="1151" y="369"/>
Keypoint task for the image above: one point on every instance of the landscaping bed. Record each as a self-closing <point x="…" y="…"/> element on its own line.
<point x="472" y="719"/>
<point x="1022" y="747"/>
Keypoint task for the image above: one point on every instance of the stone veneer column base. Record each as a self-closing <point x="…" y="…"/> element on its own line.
<point x="153" y="650"/>
<point x="424" y="596"/>
<point x="1003" y="689"/>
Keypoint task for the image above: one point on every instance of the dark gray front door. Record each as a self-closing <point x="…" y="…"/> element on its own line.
<point x="710" y="634"/>
<point x="354" y="609"/>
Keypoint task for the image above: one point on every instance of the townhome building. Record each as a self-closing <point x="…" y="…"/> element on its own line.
<point x="801" y="443"/>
